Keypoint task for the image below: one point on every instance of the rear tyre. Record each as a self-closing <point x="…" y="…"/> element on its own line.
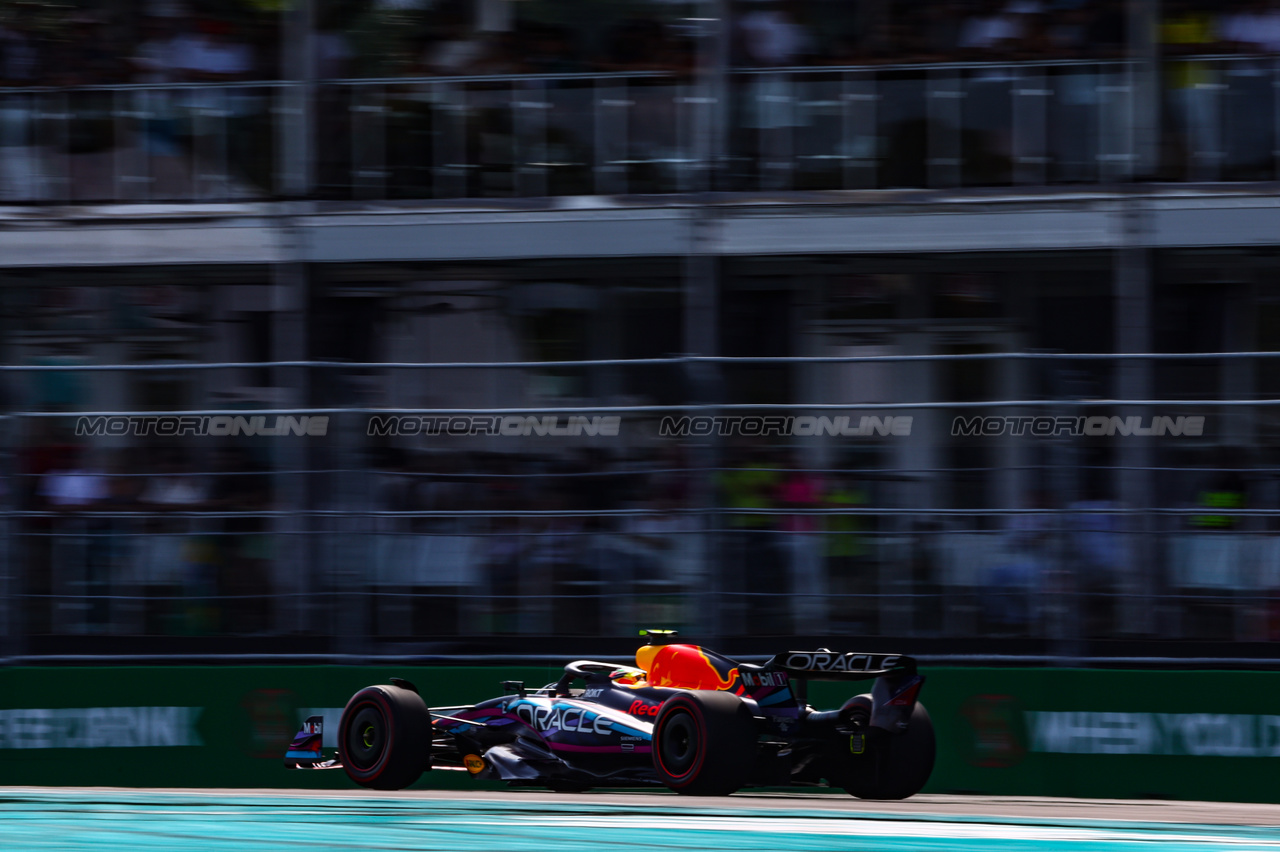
<point x="384" y="738"/>
<point x="704" y="743"/>
<point x="894" y="766"/>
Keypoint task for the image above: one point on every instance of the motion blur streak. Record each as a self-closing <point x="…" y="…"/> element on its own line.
<point x="82" y="820"/>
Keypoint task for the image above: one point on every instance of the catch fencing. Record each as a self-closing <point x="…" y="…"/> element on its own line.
<point x="1009" y="516"/>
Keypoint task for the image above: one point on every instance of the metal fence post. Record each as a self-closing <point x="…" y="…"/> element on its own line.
<point x="945" y="98"/>
<point x="861" y="144"/>
<point x="450" y="175"/>
<point x="1116" y="139"/>
<point x="1144" y="83"/>
<point x="530" y="105"/>
<point x="1030" y="122"/>
<point x="1210" y="94"/>
<point x="61" y="119"/>
<point x="776" y="111"/>
<point x="598" y="158"/>
<point x="294" y="154"/>
<point x="1275" y="130"/>
<point x="369" y="141"/>
<point x="1132" y="482"/>
<point x="290" y="491"/>
<point x="295" y="171"/>
<point x="701" y="307"/>
<point x="9" y="604"/>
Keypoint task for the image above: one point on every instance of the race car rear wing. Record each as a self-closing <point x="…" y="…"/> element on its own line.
<point x="825" y="664"/>
<point x="893" y="696"/>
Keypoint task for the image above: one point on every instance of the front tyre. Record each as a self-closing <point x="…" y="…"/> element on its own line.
<point x="384" y="738"/>
<point x="704" y="743"/>
<point x="896" y="766"/>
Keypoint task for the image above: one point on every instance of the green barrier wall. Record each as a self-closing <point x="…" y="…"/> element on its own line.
<point x="1190" y="735"/>
<point x="57" y="726"/>
<point x="1207" y="735"/>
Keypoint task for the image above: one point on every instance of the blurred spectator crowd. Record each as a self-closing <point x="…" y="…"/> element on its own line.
<point x="168" y="541"/>
<point x="167" y="41"/>
<point x="154" y="542"/>
<point x="184" y="539"/>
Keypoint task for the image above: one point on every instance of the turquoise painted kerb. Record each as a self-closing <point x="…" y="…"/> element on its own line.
<point x="80" y="821"/>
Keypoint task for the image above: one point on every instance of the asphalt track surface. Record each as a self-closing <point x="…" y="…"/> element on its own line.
<point x="257" y="820"/>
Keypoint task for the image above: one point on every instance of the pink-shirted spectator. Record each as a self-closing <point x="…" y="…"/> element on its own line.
<point x="802" y="489"/>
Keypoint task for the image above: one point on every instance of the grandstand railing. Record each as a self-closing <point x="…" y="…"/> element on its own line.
<point x="816" y="128"/>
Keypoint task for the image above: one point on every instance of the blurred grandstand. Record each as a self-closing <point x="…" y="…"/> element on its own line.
<point x="471" y="212"/>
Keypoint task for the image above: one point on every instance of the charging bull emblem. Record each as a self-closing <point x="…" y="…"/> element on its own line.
<point x="688" y="667"/>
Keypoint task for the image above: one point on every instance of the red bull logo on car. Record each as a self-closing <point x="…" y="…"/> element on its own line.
<point x="689" y="667"/>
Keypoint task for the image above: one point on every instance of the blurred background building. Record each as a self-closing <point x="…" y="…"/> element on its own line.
<point x="861" y="208"/>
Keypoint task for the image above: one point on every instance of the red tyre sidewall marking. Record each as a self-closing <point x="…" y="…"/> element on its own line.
<point x="691" y="775"/>
<point x="375" y="699"/>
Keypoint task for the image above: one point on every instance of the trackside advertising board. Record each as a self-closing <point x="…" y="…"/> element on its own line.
<point x="1209" y="735"/>
<point x="1059" y="732"/>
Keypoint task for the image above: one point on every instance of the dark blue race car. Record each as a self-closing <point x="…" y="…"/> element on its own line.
<point x="684" y="717"/>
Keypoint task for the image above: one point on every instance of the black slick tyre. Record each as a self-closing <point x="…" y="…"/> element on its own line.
<point x="384" y="738"/>
<point x="895" y="765"/>
<point x="704" y="743"/>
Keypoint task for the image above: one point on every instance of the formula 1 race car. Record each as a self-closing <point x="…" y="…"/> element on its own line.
<point x="687" y="718"/>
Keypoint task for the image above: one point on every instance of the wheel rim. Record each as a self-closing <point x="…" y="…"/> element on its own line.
<point x="366" y="737"/>
<point x="679" y="746"/>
